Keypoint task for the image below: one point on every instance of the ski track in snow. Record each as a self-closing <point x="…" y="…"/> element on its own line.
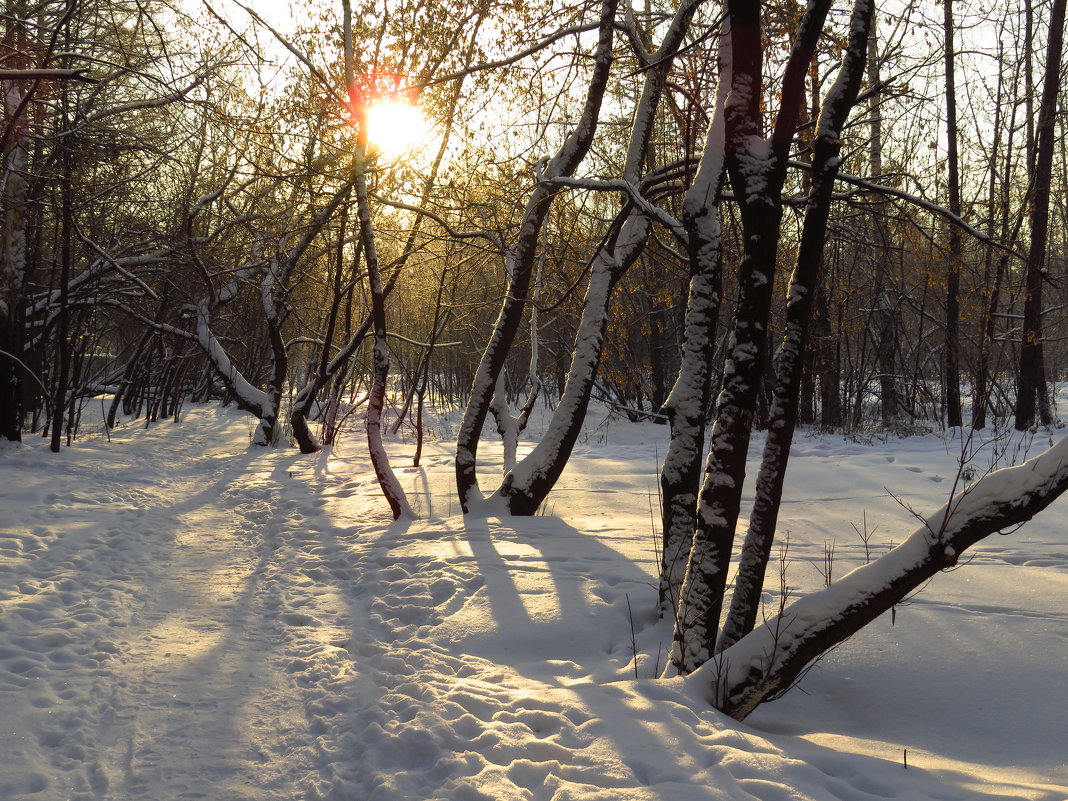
<point x="182" y="618"/>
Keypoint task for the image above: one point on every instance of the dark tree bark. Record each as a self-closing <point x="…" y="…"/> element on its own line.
<point x="757" y="170"/>
<point x="885" y="319"/>
<point x="66" y="256"/>
<point x="951" y="372"/>
<point x="756" y="550"/>
<point x="992" y="280"/>
<point x="1032" y="399"/>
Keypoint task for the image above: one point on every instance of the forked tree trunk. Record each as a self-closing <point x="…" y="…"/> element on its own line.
<point x="328" y="369"/>
<point x="757" y="170"/>
<point x="827" y="147"/>
<point x="529" y="483"/>
<point x="305" y="398"/>
<point x="525" y="487"/>
<point x="522" y="257"/>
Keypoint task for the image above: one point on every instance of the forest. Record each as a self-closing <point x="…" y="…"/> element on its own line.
<point x="734" y="224"/>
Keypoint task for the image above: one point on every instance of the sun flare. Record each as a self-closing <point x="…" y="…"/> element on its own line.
<point x="396" y="127"/>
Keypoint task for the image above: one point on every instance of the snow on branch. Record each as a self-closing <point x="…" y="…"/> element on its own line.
<point x="650" y="210"/>
<point x="769" y="659"/>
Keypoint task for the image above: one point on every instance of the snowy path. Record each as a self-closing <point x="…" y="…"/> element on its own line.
<point x="155" y="663"/>
<point x="183" y="618"/>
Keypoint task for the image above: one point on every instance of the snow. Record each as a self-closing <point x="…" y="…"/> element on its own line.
<point x="182" y="616"/>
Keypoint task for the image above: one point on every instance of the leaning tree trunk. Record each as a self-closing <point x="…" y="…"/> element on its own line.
<point x="525" y="487"/>
<point x="522" y="257"/>
<point x="766" y="662"/>
<point x="827" y="147"/>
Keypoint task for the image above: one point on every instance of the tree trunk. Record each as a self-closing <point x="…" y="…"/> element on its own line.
<point x="66" y="256"/>
<point x="765" y="663"/>
<point x="522" y="257"/>
<point x="687" y="405"/>
<point x="525" y="487"/>
<point x="951" y="372"/>
<point x="757" y="170"/>
<point x="13" y="264"/>
<point x="387" y="480"/>
<point x="885" y="322"/>
<point x="1032" y="398"/>
<point x="756" y="550"/>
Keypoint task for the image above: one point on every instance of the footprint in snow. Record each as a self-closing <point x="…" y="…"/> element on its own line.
<point x="299" y="619"/>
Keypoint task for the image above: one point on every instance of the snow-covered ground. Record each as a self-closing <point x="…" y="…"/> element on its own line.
<point x="185" y="617"/>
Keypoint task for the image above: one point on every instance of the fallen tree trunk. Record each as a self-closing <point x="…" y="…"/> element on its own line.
<point x="766" y="662"/>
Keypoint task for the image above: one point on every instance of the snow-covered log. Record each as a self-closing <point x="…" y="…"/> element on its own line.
<point x="767" y="661"/>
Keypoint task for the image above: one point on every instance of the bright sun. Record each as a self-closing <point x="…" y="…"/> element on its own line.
<point x="396" y="127"/>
